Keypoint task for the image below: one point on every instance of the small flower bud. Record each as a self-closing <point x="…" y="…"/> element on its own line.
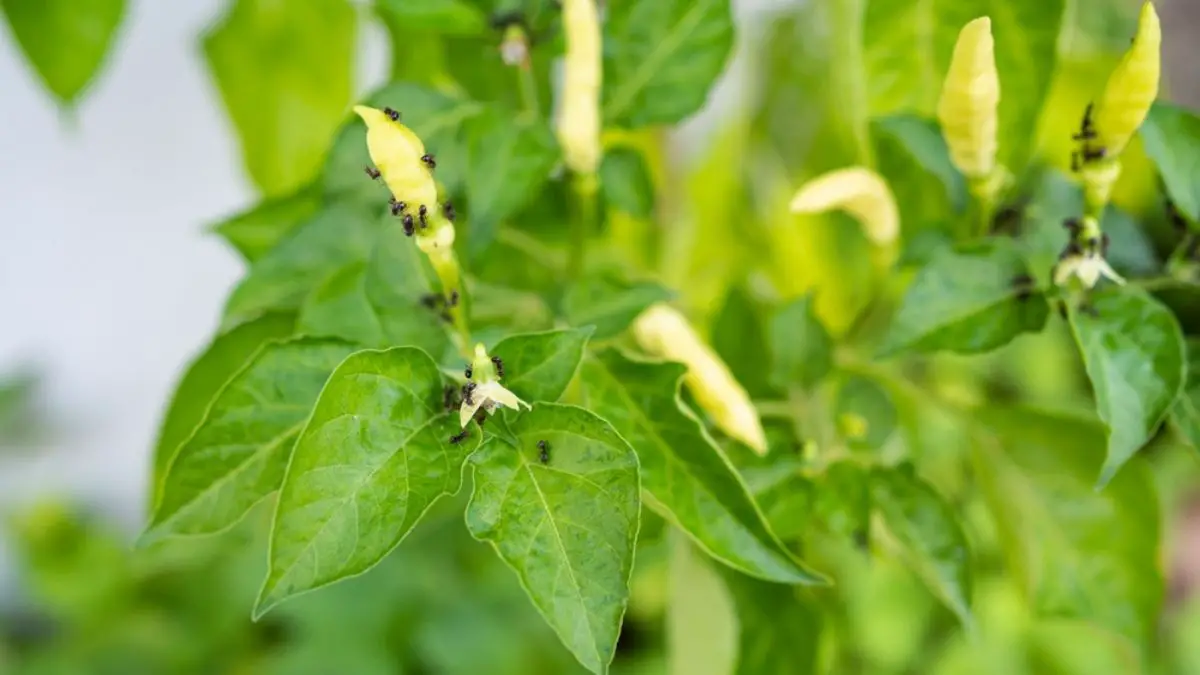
<point x="485" y="391"/>
<point x="1131" y="88"/>
<point x="970" y="97"/>
<point x="858" y="191"/>
<point x="664" y="332"/>
<point x="578" y="127"/>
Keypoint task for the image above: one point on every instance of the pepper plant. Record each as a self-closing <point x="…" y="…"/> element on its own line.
<point x="490" y="301"/>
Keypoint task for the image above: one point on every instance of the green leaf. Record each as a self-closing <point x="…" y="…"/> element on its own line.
<point x="378" y="303"/>
<point x="927" y="526"/>
<point x="800" y="348"/>
<point x="256" y="231"/>
<point x="567" y="527"/>
<point x="799" y="504"/>
<point x="865" y="413"/>
<point x="692" y="483"/>
<point x="609" y="303"/>
<point x="539" y="366"/>
<point x="626" y="183"/>
<point x="780" y="629"/>
<point x="1185" y="413"/>
<point x="936" y="189"/>
<point x="375" y="455"/>
<point x="701" y="621"/>
<point x="509" y="160"/>
<point x="739" y="338"/>
<point x="237" y="455"/>
<point x="341" y="234"/>
<point x="661" y="57"/>
<point x="970" y="299"/>
<point x="1134" y="353"/>
<point x="449" y="17"/>
<point x="909" y="45"/>
<point x="64" y="40"/>
<point x="1080" y="553"/>
<point x="285" y="71"/>
<point x="225" y="355"/>
<point x="436" y="117"/>
<point x="1171" y="136"/>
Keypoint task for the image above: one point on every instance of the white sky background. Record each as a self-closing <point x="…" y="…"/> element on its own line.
<point x="108" y="283"/>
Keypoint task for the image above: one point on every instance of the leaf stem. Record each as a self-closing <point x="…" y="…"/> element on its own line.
<point x="585" y="188"/>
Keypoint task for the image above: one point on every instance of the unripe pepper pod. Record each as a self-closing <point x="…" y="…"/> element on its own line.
<point x="397" y="153"/>
<point x="664" y="332"/>
<point x="578" y="127"/>
<point x="970" y="97"/>
<point x="1131" y="88"/>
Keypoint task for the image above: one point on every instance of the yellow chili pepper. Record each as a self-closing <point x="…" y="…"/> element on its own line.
<point x="664" y="332"/>
<point x="858" y="191"/>
<point x="970" y="97"/>
<point x="578" y="126"/>
<point x="1131" y="88"/>
<point x="399" y="154"/>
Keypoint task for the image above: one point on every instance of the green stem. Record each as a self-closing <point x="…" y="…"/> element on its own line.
<point x="585" y="188"/>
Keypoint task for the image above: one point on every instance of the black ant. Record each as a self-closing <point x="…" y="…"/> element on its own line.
<point x="499" y="367"/>
<point x="450" y="398"/>
<point x="453" y="301"/>
<point x="448" y="209"/>
<point x="372" y="172"/>
<point x="408" y="225"/>
<point x="429" y="161"/>
<point x="467" y="391"/>
<point x="1072" y="249"/>
<point x="469" y="371"/>
<point x="430" y="300"/>
<point x="422" y="212"/>
<point x="481" y="416"/>
<point x="397" y="206"/>
<point x="1073" y="226"/>
<point x="393" y="115"/>
<point x="543" y="452"/>
<point x="1086" y="131"/>
<point x="458" y="438"/>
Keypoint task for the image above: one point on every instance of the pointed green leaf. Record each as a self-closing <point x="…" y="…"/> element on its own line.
<point x="1080" y="553"/>
<point x="701" y="621"/>
<point x="970" y="299"/>
<point x="567" y="527"/>
<point x="284" y="69"/>
<point x="378" y="303"/>
<point x="237" y="455"/>
<point x="661" y="57"/>
<point x="1135" y="357"/>
<point x="626" y="183"/>
<point x="799" y="503"/>
<point x="376" y="454"/>
<point x="509" y="161"/>
<point x="1172" y="140"/>
<point x="780" y="628"/>
<point x="448" y="17"/>
<point x="256" y="231"/>
<point x="436" y="117"/>
<point x="1185" y="413"/>
<point x="610" y="303"/>
<point x="335" y="237"/>
<point x="913" y="157"/>
<point x="928" y="528"/>
<point x="692" y="483"/>
<point x="800" y="347"/>
<point x="225" y="355"/>
<point x="64" y="40"/>
<point x="739" y="336"/>
<point x="539" y="366"/>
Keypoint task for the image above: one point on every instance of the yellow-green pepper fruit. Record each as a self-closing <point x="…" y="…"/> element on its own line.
<point x="967" y="109"/>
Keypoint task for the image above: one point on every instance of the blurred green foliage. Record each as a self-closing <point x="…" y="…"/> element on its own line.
<point x="950" y="498"/>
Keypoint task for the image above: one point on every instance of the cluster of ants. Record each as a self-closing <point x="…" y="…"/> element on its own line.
<point x="401" y="208"/>
<point x="453" y="398"/>
<point x="1086" y="154"/>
